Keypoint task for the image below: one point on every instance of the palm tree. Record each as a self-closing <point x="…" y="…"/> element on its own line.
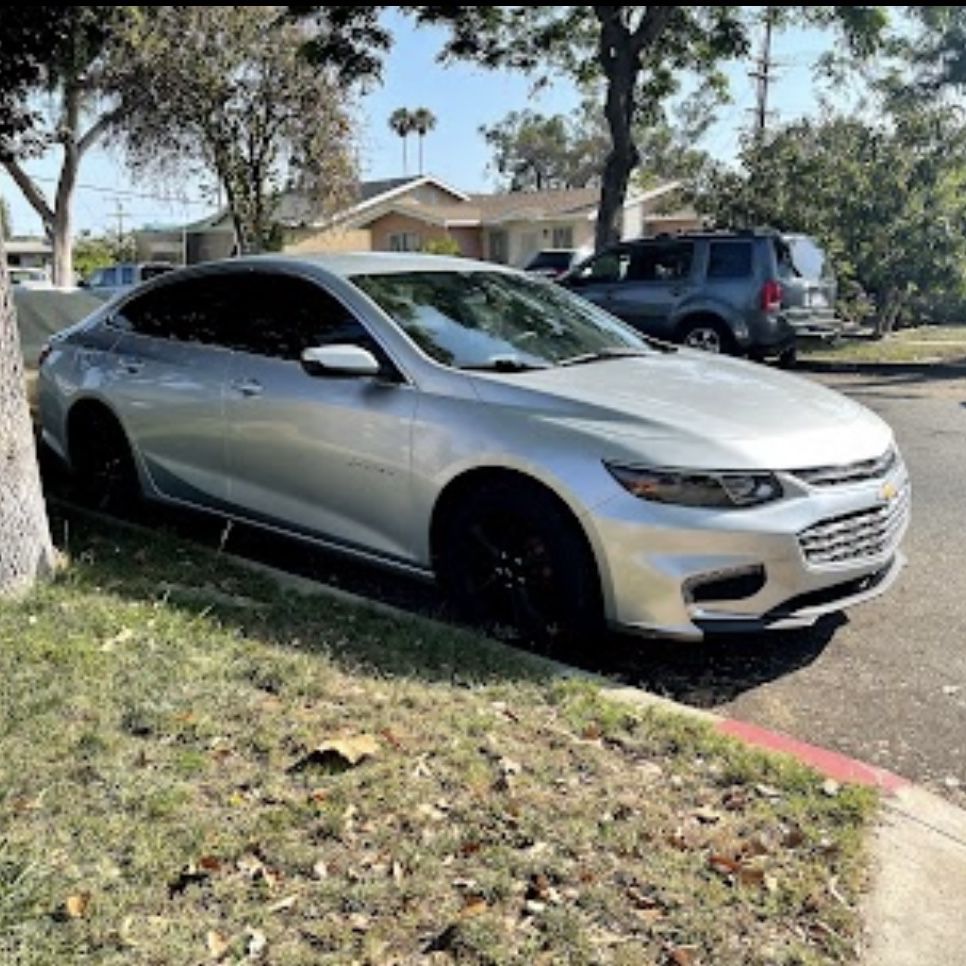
<point x="423" y="121"/>
<point x="401" y="121"/>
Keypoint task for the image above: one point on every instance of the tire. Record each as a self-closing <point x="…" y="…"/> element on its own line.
<point x="105" y="476"/>
<point x="710" y="335"/>
<point x="788" y="358"/>
<point x="514" y="561"/>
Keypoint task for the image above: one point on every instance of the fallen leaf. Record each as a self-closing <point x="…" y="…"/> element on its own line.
<point x="283" y="904"/>
<point x="340" y="752"/>
<point x="683" y="955"/>
<point x="750" y="875"/>
<point x="390" y="738"/>
<point x="470" y="848"/>
<point x="592" y="732"/>
<point x="723" y="864"/>
<point x="473" y="905"/>
<point x="218" y="944"/>
<point x="533" y="908"/>
<point x="706" y="815"/>
<point x="320" y="870"/>
<point x="767" y="791"/>
<point x="209" y="863"/>
<point x="830" y="787"/>
<point x="359" y="922"/>
<point x="78" y="904"/>
<point x="318" y="795"/>
<point x="794" y="837"/>
<point x="257" y="943"/>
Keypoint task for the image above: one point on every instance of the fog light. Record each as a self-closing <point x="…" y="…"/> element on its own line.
<point x="736" y="584"/>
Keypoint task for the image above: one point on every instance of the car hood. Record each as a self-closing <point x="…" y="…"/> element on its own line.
<point x="690" y="408"/>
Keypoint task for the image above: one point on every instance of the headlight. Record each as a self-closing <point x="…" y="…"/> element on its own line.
<point x="715" y="489"/>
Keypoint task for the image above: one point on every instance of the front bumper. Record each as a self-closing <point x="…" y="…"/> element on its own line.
<point x="653" y="556"/>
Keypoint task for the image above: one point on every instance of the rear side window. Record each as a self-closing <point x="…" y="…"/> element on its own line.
<point x="108" y="277"/>
<point x="661" y="263"/>
<point x="193" y="310"/>
<point x="127" y="274"/>
<point x="729" y="259"/>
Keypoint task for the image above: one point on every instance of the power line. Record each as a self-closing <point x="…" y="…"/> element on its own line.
<point x="127" y="193"/>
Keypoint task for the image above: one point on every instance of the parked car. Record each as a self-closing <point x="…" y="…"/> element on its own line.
<point x="114" y="279"/>
<point x="554" y="262"/>
<point x="23" y="277"/>
<point x="736" y="292"/>
<point x="440" y="416"/>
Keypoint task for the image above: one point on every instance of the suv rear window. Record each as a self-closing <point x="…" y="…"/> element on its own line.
<point x="556" y="260"/>
<point x="801" y="257"/>
<point x="729" y="259"/>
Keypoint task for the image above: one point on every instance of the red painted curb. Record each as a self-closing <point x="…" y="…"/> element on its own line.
<point x="828" y="763"/>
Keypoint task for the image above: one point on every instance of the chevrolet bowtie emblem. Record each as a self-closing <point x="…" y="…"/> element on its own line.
<point x="888" y="492"/>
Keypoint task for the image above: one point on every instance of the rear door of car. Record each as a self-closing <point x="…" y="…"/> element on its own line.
<point x="167" y="384"/>
<point x="326" y="456"/>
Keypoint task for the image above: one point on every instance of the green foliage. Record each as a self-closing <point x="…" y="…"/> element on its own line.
<point x="887" y="200"/>
<point x="228" y="87"/>
<point x="442" y="246"/>
<point x="93" y="252"/>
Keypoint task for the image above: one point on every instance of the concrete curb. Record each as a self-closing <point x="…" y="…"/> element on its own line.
<point x="932" y="370"/>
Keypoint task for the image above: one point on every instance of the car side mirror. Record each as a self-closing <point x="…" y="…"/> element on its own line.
<point x="340" y="360"/>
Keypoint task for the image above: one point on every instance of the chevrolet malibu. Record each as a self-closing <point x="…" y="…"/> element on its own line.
<point x="452" y="419"/>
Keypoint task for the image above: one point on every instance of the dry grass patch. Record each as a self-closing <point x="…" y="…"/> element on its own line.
<point x="198" y="768"/>
<point x="926" y="343"/>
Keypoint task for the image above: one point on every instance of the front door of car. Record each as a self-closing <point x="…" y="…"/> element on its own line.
<point x="167" y="385"/>
<point x="325" y="456"/>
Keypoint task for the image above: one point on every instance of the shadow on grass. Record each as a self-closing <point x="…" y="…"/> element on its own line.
<point x="179" y="567"/>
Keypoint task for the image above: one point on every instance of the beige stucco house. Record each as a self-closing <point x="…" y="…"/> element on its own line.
<point x="407" y="214"/>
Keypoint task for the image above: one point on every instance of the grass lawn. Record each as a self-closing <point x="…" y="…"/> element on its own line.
<point x="196" y="767"/>
<point x="925" y="343"/>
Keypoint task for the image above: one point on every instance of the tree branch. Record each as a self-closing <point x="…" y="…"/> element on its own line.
<point x="651" y="27"/>
<point x="85" y="141"/>
<point x="30" y="191"/>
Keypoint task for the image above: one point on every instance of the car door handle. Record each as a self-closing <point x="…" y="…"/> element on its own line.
<point x="247" y="387"/>
<point x="131" y="364"/>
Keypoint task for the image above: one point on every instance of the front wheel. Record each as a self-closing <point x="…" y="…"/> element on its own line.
<point x="514" y="561"/>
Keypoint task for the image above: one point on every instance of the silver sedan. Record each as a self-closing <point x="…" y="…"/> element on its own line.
<point x="547" y="464"/>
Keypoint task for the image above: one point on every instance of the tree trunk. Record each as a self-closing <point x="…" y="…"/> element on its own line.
<point x="888" y="306"/>
<point x="26" y="550"/>
<point x="621" y="66"/>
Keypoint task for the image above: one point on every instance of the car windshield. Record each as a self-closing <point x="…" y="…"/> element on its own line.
<point x="496" y="320"/>
<point x="557" y="260"/>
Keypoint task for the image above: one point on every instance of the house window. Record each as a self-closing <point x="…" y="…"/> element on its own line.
<point x="498" y="247"/>
<point x="563" y="237"/>
<point x="405" y="241"/>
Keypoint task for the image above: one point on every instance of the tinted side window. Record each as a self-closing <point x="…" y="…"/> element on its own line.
<point x="108" y="276"/>
<point x="127" y="275"/>
<point x="281" y="316"/>
<point x="606" y="267"/>
<point x="729" y="259"/>
<point x="193" y="310"/>
<point x="662" y="263"/>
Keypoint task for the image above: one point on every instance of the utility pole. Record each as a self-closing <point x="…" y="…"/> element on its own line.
<point x="119" y="214"/>
<point x="763" y="74"/>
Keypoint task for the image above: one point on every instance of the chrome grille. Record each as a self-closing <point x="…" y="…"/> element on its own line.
<point x="854" y="536"/>
<point x="851" y="472"/>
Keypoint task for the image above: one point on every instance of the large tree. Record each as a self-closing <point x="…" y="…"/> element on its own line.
<point x="228" y="88"/>
<point x="29" y="37"/>
<point x="73" y="74"/>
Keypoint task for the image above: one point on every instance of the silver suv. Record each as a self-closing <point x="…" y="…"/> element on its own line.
<point x="746" y="293"/>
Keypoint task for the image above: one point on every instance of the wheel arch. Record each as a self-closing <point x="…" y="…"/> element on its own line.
<point x="470" y="480"/>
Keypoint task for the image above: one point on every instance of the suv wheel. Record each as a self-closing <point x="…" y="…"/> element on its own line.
<point x="515" y="562"/>
<point x="709" y="335"/>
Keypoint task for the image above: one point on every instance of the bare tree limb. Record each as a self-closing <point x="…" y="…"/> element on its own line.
<point x="30" y="191"/>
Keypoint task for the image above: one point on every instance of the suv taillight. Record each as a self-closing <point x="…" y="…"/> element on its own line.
<point x="771" y="296"/>
<point x="44" y="352"/>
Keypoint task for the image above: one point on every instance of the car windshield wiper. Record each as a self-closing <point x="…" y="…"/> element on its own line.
<point x="601" y="355"/>
<point x="506" y="364"/>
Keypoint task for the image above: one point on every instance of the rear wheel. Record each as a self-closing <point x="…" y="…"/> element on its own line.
<point x="514" y="561"/>
<point x="707" y="334"/>
<point x="104" y="470"/>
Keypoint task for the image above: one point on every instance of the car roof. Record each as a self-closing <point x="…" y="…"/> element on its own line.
<point x="348" y="264"/>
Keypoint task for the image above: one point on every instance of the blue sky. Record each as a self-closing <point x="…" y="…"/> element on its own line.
<point x="461" y="96"/>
